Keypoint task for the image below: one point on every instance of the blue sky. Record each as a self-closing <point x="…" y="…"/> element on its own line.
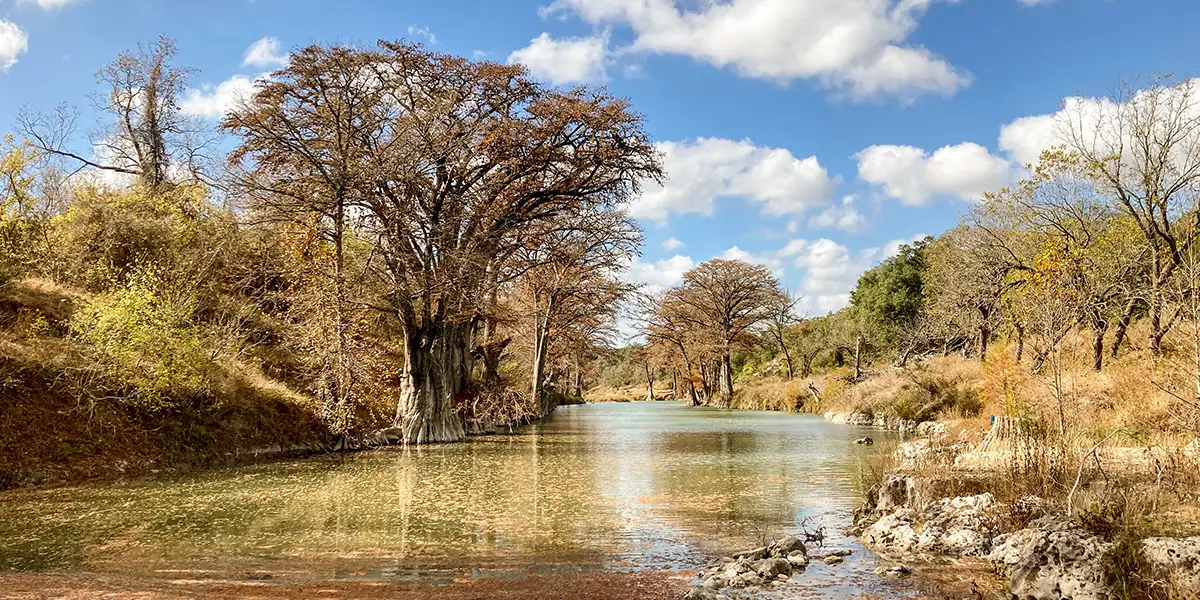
<point x="810" y="135"/>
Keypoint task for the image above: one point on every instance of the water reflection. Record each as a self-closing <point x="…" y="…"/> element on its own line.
<point x="618" y="485"/>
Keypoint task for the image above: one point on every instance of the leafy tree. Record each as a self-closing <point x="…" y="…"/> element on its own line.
<point x="892" y="294"/>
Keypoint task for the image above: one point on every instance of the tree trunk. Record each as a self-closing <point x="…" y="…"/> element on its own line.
<point x="1123" y="325"/>
<point x="435" y="359"/>
<point x="649" y="381"/>
<point x="540" y="346"/>
<point x="857" y="358"/>
<point x="578" y="384"/>
<point x="1099" y="327"/>
<point x="726" y="375"/>
<point x="1020" y="342"/>
<point x="787" y="358"/>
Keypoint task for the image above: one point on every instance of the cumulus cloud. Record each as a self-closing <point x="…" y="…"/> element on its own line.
<point x="1024" y="139"/>
<point x="13" y="43"/>
<point x="962" y="171"/>
<point x="773" y="262"/>
<point x="703" y="170"/>
<point x="267" y="52"/>
<point x="561" y="61"/>
<point x="840" y="216"/>
<point x="661" y="274"/>
<point x="212" y="102"/>
<point x="856" y="47"/>
<point x="672" y="244"/>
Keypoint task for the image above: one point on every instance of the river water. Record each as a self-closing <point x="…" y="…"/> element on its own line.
<point x="605" y="486"/>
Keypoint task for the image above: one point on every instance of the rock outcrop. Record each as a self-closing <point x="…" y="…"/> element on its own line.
<point x="862" y="419"/>
<point x="951" y="526"/>
<point x="1053" y="559"/>
<point x="1178" y="559"/>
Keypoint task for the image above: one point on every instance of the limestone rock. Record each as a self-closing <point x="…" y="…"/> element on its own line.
<point x="834" y="560"/>
<point x="700" y="593"/>
<point x="754" y="554"/>
<point x="893" y="571"/>
<point x="961" y="526"/>
<point x="1176" y="558"/>
<point x="751" y="579"/>
<point x="895" y="532"/>
<point x="1053" y="559"/>
<point x="785" y="546"/>
<point x="768" y="568"/>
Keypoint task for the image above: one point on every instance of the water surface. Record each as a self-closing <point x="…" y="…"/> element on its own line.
<point x="604" y="486"/>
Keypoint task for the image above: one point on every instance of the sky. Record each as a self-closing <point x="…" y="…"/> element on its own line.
<point x="811" y="136"/>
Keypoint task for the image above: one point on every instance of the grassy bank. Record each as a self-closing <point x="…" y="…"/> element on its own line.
<point x="66" y="416"/>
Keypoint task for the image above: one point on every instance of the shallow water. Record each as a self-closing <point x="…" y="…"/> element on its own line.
<point x="605" y="486"/>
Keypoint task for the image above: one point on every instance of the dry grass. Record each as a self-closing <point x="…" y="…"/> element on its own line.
<point x="59" y="422"/>
<point x="775" y="394"/>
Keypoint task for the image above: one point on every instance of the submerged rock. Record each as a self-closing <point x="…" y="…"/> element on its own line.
<point x="834" y="560"/>
<point x="1053" y="559"/>
<point x="864" y="441"/>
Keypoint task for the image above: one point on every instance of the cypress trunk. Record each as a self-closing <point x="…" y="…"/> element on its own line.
<point x="436" y="367"/>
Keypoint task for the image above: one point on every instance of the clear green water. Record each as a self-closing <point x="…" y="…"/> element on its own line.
<point x="641" y="485"/>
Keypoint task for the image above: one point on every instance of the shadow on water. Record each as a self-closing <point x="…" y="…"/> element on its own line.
<point x="608" y="486"/>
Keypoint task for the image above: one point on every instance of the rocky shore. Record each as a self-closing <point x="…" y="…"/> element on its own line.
<point x="1041" y="552"/>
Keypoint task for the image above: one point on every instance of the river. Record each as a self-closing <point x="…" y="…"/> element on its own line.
<point x="612" y="487"/>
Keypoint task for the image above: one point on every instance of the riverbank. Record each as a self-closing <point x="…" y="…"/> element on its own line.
<point x="1115" y="533"/>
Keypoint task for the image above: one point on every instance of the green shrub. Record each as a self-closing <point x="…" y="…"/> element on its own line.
<point x="144" y="336"/>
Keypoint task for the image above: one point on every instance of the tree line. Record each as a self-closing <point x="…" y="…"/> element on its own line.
<point x="1097" y="240"/>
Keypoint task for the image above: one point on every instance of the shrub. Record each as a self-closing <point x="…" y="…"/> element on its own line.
<point x="143" y="335"/>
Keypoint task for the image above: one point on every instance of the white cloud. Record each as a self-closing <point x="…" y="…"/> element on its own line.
<point x="773" y="263"/>
<point x="672" y="244"/>
<point x="423" y="32"/>
<point x="264" y="54"/>
<point x="661" y="274"/>
<point x="853" y="46"/>
<point x="211" y="102"/>
<point x="963" y="171"/>
<point x="13" y="43"/>
<point x="699" y="172"/>
<point x="1024" y="139"/>
<point x="50" y="4"/>
<point x="560" y="61"/>
<point x="844" y="217"/>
